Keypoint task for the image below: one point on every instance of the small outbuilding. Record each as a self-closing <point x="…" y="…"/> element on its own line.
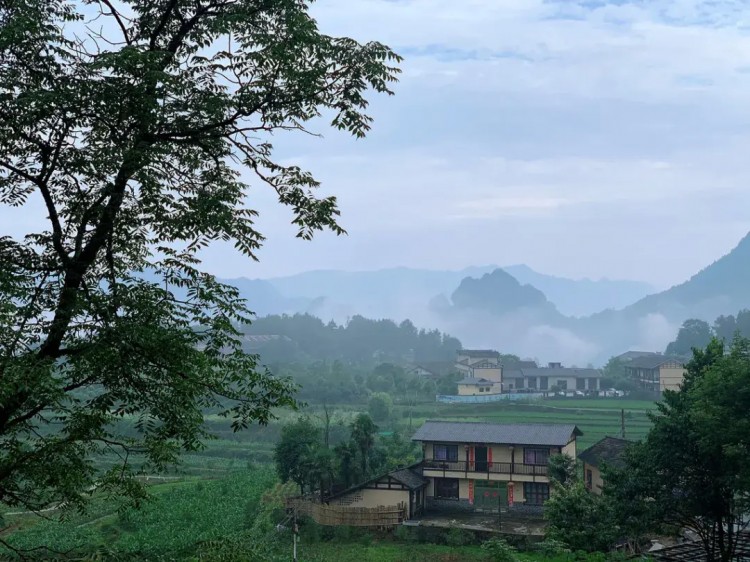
<point x="608" y="451"/>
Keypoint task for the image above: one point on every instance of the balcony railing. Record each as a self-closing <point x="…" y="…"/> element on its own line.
<point x="485" y="467"/>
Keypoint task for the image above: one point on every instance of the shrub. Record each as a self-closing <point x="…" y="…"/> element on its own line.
<point x="458" y="537"/>
<point x="500" y="551"/>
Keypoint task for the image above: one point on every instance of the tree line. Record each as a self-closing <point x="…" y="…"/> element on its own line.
<point x="307" y="338"/>
<point x="695" y="333"/>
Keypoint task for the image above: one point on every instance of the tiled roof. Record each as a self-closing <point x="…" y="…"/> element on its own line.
<point x="409" y="478"/>
<point x="500" y="433"/>
<point x="628" y="355"/>
<point x="652" y="361"/>
<point x="513" y="365"/>
<point x="552" y="372"/>
<point x="473" y="381"/>
<point x="609" y="450"/>
<point x="479" y="352"/>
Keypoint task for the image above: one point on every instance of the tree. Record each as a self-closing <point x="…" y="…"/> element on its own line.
<point x="693" y="334"/>
<point x="380" y="406"/>
<point x="692" y="469"/>
<point x="363" y="439"/>
<point x="297" y="453"/>
<point x="580" y="519"/>
<point x="562" y="469"/>
<point x="613" y="373"/>
<point x="140" y="138"/>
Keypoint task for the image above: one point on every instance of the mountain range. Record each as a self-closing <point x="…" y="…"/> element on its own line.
<point x="515" y="308"/>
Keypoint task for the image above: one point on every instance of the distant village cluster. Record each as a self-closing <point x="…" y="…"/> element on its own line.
<point x="487" y="377"/>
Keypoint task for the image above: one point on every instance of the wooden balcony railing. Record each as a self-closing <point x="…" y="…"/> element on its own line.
<point x="484" y="467"/>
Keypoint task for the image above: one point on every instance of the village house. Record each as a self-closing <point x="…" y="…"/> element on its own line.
<point x="469" y="466"/>
<point x="608" y="451"/>
<point x="553" y="377"/>
<point x="484" y="466"/>
<point x="479" y="367"/>
<point x="402" y="487"/>
<point x="656" y="373"/>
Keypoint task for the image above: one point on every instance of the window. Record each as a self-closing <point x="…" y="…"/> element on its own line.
<point x="593" y="384"/>
<point x="446" y="488"/>
<point x="535" y="493"/>
<point x="543" y="383"/>
<point x="531" y="382"/>
<point x="535" y="456"/>
<point x="562" y="384"/>
<point x="445" y="452"/>
<point x="589" y="478"/>
<point x="487" y="389"/>
<point x="481" y="389"/>
<point x="581" y="384"/>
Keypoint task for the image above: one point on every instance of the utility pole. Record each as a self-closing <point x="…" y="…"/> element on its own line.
<point x="622" y="423"/>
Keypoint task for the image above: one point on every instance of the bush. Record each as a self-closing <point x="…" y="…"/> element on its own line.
<point x="500" y="551"/>
<point x="458" y="537"/>
<point x="380" y="406"/>
<point x="551" y="548"/>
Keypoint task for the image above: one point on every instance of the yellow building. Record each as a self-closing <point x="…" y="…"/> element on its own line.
<point x="405" y="486"/>
<point x="656" y="373"/>
<point x="477" y="387"/>
<point x="486" y="466"/>
<point x="608" y="451"/>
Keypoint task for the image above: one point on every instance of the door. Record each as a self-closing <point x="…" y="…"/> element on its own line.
<point x="480" y="459"/>
<point x="489" y="496"/>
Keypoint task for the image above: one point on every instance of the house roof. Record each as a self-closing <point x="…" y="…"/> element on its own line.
<point x="628" y="355"/>
<point x="474" y="382"/>
<point x="500" y="433"/>
<point x="561" y="372"/>
<point x="409" y="478"/>
<point x="552" y="372"/>
<point x="406" y="476"/>
<point x="515" y="365"/>
<point x="609" y="450"/>
<point x="652" y="361"/>
<point x="437" y="368"/>
<point x="479" y="352"/>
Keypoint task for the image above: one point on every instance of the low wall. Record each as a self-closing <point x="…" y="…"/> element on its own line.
<point x="323" y="514"/>
<point x="455" y="399"/>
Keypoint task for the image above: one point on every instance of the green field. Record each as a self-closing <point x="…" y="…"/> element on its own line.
<point x="596" y="418"/>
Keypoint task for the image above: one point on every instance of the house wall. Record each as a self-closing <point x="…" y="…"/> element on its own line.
<point x="570" y="449"/>
<point x="597" y="483"/>
<point x="473" y="390"/>
<point x="366" y="497"/>
<point x="494" y="374"/>
<point x="671" y="377"/>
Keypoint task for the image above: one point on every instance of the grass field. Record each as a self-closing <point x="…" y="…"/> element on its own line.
<point x="596" y="418"/>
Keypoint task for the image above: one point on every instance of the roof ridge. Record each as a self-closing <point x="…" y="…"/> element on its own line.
<point x="500" y="423"/>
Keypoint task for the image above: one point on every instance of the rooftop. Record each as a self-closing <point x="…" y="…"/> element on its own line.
<point x="479" y="352"/>
<point x="474" y="381"/>
<point x="553" y="372"/>
<point x="652" y="361"/>
<point x="499" y="433"/>
<point x="609" y="450"/>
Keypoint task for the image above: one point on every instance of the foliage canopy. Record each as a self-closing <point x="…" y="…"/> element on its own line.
<point x="138" y="125"/>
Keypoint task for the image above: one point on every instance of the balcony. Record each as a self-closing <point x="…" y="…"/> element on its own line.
<point x="480" y="467"/>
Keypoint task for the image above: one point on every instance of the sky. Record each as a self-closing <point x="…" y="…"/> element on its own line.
<point x="585" y="139"/>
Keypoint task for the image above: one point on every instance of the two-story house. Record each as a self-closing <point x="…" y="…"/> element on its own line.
<point x="486" y="466"/>
<point x="656" y="373"/>
<point x="482" y="371"/>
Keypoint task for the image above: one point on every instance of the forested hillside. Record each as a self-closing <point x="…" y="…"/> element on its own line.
<point x="302" y="337"/>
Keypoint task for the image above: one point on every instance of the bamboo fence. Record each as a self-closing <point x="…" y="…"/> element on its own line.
<point x="382" y="516"/>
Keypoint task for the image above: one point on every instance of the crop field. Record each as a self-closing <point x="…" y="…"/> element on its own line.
<point x="596" y="418"/>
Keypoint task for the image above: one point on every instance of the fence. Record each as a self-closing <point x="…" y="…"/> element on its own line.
<point x="455" y="399"/>
<point x="382" y="516"/>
